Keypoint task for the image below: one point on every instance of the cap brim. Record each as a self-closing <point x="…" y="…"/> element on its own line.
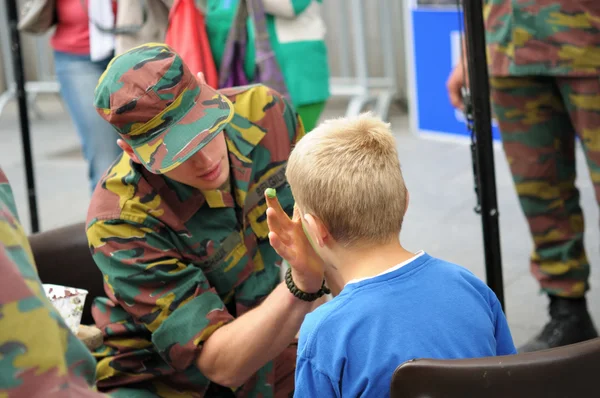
<point x="203" y="122"/>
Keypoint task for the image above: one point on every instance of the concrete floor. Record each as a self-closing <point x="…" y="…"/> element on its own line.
<point x="440" y="219"/>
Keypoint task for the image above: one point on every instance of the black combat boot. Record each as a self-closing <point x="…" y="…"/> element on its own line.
<point x="569" y="323"/>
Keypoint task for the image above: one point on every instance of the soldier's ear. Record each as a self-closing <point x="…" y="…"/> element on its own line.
<point x="128" y="150"/>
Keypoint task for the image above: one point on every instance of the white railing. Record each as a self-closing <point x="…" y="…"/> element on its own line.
<point x="45" y="81"/>
<point x="362" y="87"/>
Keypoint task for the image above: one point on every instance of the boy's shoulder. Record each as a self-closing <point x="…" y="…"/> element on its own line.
<point x="452" y="272"/>
<point x="449" y="265"/>
<point x="438" y="277"/>
<point x="449" y="268"/>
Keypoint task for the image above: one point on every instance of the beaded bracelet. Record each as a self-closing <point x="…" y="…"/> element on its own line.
<point x="299" y="293"/>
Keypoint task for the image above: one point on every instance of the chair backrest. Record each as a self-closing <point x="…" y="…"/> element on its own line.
<point x="63" y="257"/>
<point x="569" y="371"/>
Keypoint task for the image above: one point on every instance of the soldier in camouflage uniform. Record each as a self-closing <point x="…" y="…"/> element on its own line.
<point x="39" y="356"/>
<point x="178" y="228"/>
<point x="544" y="65"/>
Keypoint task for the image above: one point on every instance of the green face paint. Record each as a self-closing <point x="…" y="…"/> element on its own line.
<point x="308" y="237"/>
<point x="271" y="193"/>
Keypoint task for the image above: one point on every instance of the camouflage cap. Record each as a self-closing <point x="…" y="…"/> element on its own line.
<point x="157" y="106"/>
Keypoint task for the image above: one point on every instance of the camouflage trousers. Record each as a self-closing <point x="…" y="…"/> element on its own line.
<point x="280" y="384"/>
<point x="539" y="119"/>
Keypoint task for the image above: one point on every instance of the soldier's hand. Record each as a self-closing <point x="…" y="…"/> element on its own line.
<point x="288" y="239"/>
<point x="456" y="81"/>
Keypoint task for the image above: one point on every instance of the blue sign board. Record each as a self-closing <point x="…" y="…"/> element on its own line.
<point x="436" y="48"/>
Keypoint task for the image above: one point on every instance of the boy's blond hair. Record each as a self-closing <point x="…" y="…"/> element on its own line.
<point x="346" y="172"/>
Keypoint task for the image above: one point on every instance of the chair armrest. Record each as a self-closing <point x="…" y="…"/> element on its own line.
<point x="63" y="257"/>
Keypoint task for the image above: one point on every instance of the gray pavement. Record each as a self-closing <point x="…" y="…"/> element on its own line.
<point x="440" y="218"/>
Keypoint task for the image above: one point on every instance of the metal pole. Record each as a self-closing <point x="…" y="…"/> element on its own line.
<point x="344" y="34"/>
<point x="480" y="96"/>
<point x="9" y="94"/>
<point x="21" y="95"/>
<point x="386" y="23"/>
<point x="360" y="48"/>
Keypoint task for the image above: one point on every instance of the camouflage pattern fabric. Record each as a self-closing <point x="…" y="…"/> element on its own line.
<point x="155" y="104"/>
<point x="543" y="37"/>
<point x="174" y="258"/>
<point x="39" y="356"/>
<point x="539" y="118"/>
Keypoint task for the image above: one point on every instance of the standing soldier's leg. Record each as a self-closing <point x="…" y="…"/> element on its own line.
<point x="581" y="96"/>
<point x="539" y="143"/>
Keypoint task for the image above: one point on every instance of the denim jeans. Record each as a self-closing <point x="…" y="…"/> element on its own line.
<point x="78" y="76"/>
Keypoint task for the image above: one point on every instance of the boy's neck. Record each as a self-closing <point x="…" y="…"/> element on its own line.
<point x="365" y="262"/>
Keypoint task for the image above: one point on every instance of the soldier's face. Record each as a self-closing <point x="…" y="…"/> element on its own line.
<point x="207" y="169"/>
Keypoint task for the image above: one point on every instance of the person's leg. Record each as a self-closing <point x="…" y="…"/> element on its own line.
<point x="277" y="378"/>
<point x="581" y="96"/>
<point x="539" y="143"/>
<point x="310" y="114"/>
<point x="131" y="393"/>
<point x="285" y="369"/>
<point x="78" y="76"/>
<point x="174" y="385"/>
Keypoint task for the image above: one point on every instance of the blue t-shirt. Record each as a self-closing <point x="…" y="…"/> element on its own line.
<point x="427" y="308"/>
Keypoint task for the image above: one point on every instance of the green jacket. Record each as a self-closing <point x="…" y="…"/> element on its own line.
<point x="297" y="33"/>
<point x="176" y="260"/>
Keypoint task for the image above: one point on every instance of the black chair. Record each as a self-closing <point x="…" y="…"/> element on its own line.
<point x="63" y="257"/>
<point x="568" y="371"/>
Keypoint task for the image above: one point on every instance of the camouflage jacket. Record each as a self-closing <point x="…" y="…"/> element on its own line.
<point x="175" y="260"/>
<point x="543" y="37"/>
<point x="38" y="352"/>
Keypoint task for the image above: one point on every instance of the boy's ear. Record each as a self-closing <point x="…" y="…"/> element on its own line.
<point x="317" y="230"/>
<point x="406" y="201"/>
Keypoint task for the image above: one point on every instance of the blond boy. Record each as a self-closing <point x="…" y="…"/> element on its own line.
<point x="390" y="304"/>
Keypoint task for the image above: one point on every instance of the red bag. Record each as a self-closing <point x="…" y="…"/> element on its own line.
<point x="186" y="35"/>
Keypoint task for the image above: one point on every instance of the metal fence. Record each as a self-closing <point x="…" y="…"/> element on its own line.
<point x="361" y="38"/>
<point x="44" y="81"/>
<point x="365" y="48"/>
